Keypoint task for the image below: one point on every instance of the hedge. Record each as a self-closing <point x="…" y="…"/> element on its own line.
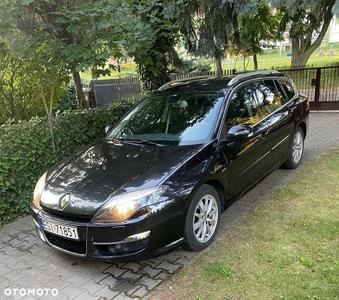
<point x="26" y="151"/>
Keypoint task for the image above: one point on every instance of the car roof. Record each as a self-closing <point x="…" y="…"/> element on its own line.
<point x="215" y="83"/>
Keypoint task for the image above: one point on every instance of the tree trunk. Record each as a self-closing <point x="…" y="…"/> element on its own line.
<point x="255" y="62"/>
<point x="48" y="113"/>
<point x="78" y="89"/>
<point x="218" y="66"/>
<point x="299" y="59"/>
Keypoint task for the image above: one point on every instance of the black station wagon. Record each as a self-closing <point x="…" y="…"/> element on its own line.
<point x="163" y="175"/>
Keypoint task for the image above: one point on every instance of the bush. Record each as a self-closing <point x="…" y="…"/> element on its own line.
<point x="69" y="99"/>
<point x="26" y="151"/>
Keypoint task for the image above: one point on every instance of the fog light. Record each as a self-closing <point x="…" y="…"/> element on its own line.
<point x="132" y="243"/>
<point x="115" y="248"/>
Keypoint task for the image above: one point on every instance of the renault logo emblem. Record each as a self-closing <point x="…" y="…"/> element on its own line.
<point x="63" y="202"/>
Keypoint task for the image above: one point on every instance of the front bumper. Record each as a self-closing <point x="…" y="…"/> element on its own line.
<point x="128" y="241"/>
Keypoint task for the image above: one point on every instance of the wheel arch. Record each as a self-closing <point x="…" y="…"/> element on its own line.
<point x="203" y="217"/>
<point x="302" y="125"/>
<point x="217" y="185"/>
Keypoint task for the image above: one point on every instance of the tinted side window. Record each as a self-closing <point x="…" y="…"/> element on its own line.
<point x="269" y="98"/>
<point x="243" y="107"/>
<point x="289" y="89"/>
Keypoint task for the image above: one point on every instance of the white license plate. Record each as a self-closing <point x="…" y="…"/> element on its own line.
<point x="62" y="230"/>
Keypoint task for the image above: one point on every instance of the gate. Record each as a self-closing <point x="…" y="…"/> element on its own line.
<point x="321" y="85"/>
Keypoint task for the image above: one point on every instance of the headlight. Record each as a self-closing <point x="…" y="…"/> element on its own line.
<point x="38" y="190"/>
<point x="121" y="207"/>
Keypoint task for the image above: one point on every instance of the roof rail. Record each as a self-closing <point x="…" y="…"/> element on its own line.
<point x="245" y="75"/>
<point x="183" y="80"/>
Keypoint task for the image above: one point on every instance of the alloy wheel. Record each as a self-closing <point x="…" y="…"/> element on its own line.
<point x="297" y="147"/>
<point x="205" y="218"/>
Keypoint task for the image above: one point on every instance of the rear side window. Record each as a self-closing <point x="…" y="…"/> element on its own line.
<point x="289" y="89"/>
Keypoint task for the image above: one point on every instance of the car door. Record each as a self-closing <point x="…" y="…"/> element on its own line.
<point x="244" y="157"/>
<point x="276" y="116"/>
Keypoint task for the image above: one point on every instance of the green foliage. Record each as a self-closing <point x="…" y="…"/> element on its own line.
<point x="26" y="151"/>
<point x="153" y="59"/>
<point x="20" y="80"/>
<point x="258" y="27"/>
<point x="69" y="99"/>
<point x="209" y="27"/>
<point x="84" y="34"/>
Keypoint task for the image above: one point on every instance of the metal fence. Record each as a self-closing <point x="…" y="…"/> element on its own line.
<point x="212" y="73"/>
<point x="106" y="91"/>
<point x="321" y="85"/>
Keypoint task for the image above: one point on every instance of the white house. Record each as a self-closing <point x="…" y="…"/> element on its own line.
<point x="333" y="30"/>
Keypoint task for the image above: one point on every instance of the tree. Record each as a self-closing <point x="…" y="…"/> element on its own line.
<point x="302" y="19"/>
<point x="153" y="57"/>
<point x="209" y="27"/>
<point x="257" y="30"/>
<point x="81" y="33"/>
<point x="20" y="84"/>
<point x="54" y="78"/>
<point x="74" y="29"/>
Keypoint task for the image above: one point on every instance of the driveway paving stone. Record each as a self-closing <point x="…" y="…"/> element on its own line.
<point x="29" y="269"/>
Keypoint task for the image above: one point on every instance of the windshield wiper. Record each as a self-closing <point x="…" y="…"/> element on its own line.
<point x="142" y="142"/>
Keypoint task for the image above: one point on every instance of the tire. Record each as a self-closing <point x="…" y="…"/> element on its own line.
<point x="296" y="150"/>
<point x="203" y="219"/>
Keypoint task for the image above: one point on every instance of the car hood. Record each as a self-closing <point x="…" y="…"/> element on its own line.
<point x="80" y="185"/>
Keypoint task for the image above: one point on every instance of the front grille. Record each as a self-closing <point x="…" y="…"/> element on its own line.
<point x="51" y="213"/>
<point x="78" y="247"/>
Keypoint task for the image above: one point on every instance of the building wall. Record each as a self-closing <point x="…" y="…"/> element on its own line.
<point x="334" y="30"/>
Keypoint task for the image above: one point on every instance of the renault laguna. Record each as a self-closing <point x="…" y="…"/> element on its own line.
<point x="163" y="175"/>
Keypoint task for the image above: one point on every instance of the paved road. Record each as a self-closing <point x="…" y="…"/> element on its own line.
<point x="30" y="269"/>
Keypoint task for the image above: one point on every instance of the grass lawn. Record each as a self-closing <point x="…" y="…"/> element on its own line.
<point x="287" y="248"/>
<point x="272" y="59"/>
<point x="268" y="60"/>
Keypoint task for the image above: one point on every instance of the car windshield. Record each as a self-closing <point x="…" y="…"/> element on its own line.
<point x="163" y="118"/>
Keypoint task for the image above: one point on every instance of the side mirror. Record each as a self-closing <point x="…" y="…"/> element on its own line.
<point x="238" y="132"/>
<point x="108" y="128"/>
